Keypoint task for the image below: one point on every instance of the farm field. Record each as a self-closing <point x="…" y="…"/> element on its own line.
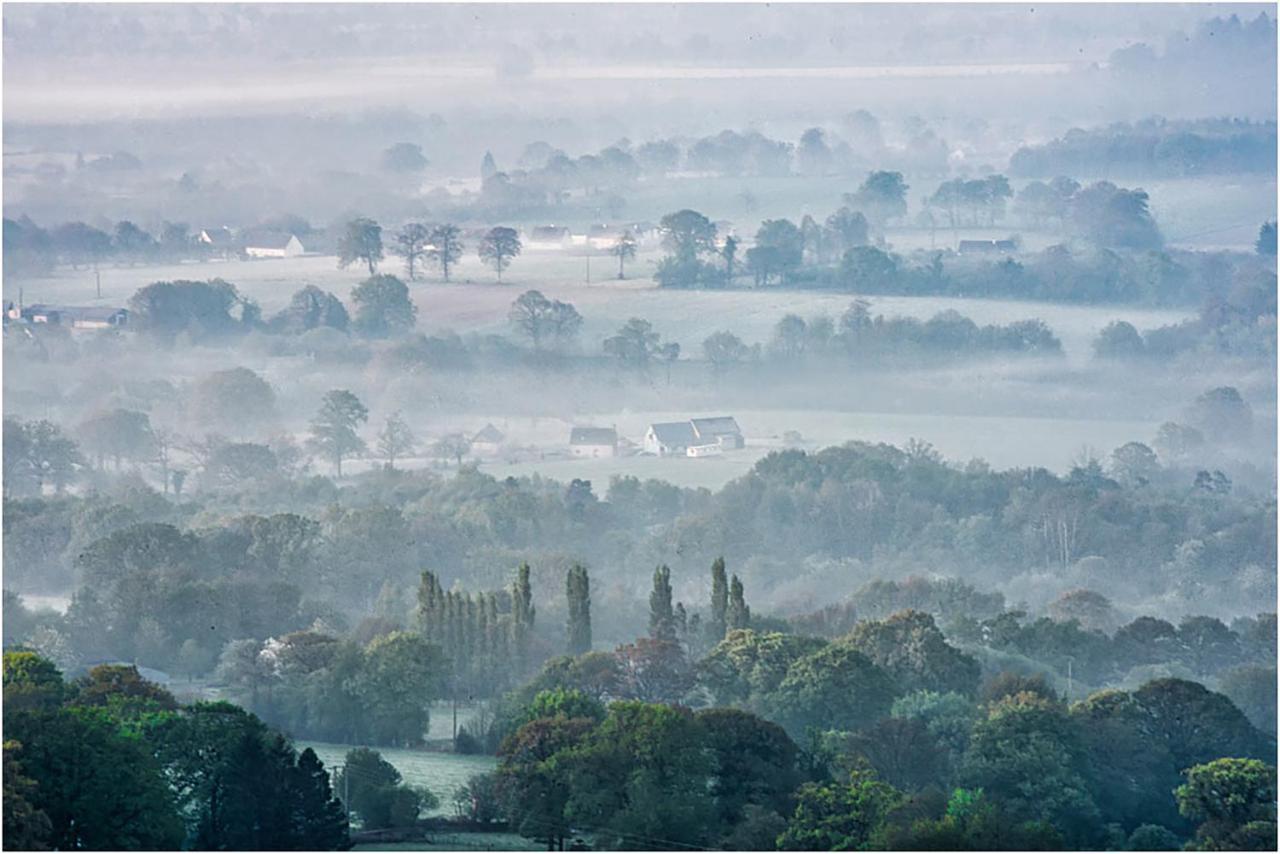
<point x="475" y="302"/>
<point x="459" y="842"/>
<point x="442" y="773"/>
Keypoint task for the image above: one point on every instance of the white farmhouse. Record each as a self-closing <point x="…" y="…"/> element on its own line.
<point x="488" y="441"/>
<point x="593" y="442"/>
<point x="671" y="438"/>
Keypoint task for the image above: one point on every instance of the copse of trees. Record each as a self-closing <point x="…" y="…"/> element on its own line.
<point x="113" y="762"/>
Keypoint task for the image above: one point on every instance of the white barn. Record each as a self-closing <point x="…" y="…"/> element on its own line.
<point x="593" y="442"/>
<point x="273" y="245"/>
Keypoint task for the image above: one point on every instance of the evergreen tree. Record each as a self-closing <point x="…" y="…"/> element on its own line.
<point x="662" y="621"/>
<point x="738" y="615"/>
<point x="578" y="591"/>
<point x="717" y="626"/>
<point x="318" y="819"/>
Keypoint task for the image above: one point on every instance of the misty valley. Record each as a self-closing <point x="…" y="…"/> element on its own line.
<point x="732" y="427"/>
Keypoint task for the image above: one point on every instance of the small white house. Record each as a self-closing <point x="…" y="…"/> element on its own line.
<point x="547" y="238"/>
<point x="273" y="245"/>
<point x="671" y="438"/>
<point x="488" y="441"/>
<point x="713" y="450"/>
<point x="76" y="317"/>
<point x="593" y="442"/>
<point x="721" y="430"/>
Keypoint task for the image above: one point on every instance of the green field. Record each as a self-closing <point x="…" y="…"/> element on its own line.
<point x="460" y="842"/>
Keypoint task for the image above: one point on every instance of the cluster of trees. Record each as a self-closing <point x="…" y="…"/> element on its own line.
<point x="890" y="737"/>
<point x="32" y="250"/>
<point x="1239" y="323"/>
<point x="1156" y="148"/>
<point x="419" y="244"/>
<point x="111" y="761"/>
<point x="136" y="558"/>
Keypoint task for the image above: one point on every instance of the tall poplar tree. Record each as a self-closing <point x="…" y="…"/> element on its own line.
<point x="662" y="621"/>
<point x="578" y="592"/>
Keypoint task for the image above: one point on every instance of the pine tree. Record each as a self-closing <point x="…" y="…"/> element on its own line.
<point x="318" y="818"/>
<point x="738" y="615"/>
<point x="662" y="623"/>
<point x="717" y="626"/>
<point x="578" y="592"/>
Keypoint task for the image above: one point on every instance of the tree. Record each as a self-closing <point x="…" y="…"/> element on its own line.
<point x="911" y="649"/>
<point x="1235" y="802"/>
<point x="881" y="198"/>
<point x="718" y="626"/>
<point x="376" y="791"/>
<point x="383" y="307"/>
<point x="635" y="345"/>
<point x="848" y="228"/>
<point x="318" y="819"/>
<point x="203" y="310"/>
<point x="311" y="308"/>
<point x="1266" y="243"/>
<point x="454" y="446"/>
<point x="498" y="247"/>
<point x="836" y="687"/>
<point x="523" y="613"/>
<point x="26" y="828"/>
<point x="235" y="402"/>
<point x="737" y="614"/>
<point x="729" y="252"/>
<point x="662" y="625"/>
<point x="754" y="764"/>
<point x="120" y="434"/>
<point x="1119" y="340"/>
<point x="100" y="788"/>
<point x="396" y="439"/>
<point x="867" y="269"/>
<point x="1223" y="413"/>
<point x="361" y="241"/>
<point x="839" y="816"/>
<point x="404" y="157"/>
<point x="333" y="430"/>
<point x="540" y="319"/>
<point x="413" y="242"/>
<point x="686" y="234"/>
<point x="401" y="676"/>
<point x="724" y="350"/>
<point x="624" y="250"/>
<point x="1134" y="464"/>
<point x="1112" y="216"/>
<point x="131" y="242"/>
<point x="778" y="251"/>
<point x="578" y="593"/>
<point x="1026" y="755"/>
<point x="446" y="248"/>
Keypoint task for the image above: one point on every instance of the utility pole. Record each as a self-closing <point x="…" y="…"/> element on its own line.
<point x="588" y="258"/>
<point x="97" y="278"/>
<point x="1069" y="663"/>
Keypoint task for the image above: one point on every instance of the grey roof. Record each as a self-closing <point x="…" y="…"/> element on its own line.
<point x="721" y="425"/>
<point x="593" y="436"/>
<point x="548" y="232"/>
<point x="488" y="435"/>
<point x="987" y="246"/>
<point x="267" y="240"/>
<point x="678" y="433"/>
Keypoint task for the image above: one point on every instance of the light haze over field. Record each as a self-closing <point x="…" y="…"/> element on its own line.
<point x="859" y="377"/>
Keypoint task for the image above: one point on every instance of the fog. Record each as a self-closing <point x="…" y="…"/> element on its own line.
<point x="968" y="310"/>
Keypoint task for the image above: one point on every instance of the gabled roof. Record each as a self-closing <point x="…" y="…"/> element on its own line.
<point x="674" y="433"/>
<point x="721" y="425"/>
<point x="268" y="240"/>
<point x="220" y="236"/>
<point x="593" y="436"/>
<point x="488" y="435"/>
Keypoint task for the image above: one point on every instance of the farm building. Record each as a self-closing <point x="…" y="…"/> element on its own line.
<point x="988" y="247"/>
<point x="722" y="430"/>
<point x="671" y="438"/>
<point x="272" y="244"/>
<point x="713" y="450"/>
<point x="76" y="317"/>
<point x="604" y="236"/>
<point x="488" y="440"/>
<point x="547" y="237"/>
<point x="593" y="441"/>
